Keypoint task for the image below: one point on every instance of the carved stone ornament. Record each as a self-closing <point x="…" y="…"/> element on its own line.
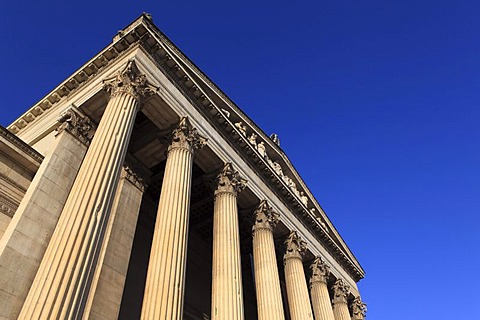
<point x="78" y="124"/>
<point x="253" y="140"/>
<point x="265" y="217"/>
<point x="242" y="128"/>
<point x="304" y="198"/>
<point x="359" y="309"/>
<point x="184" y="136"/>
<point x="135" y="178"/>
<point x="136" y="174"/>
<point x="7" y="206"/>
<point x="320" y="271"/>
<point x="340" y="292"/>
<point x="229" y="181"/>
<point x="275" y="139"/>
<point x="261" y="149"/>
<point x="130" y="81"/>
<point x="296" y="247"/>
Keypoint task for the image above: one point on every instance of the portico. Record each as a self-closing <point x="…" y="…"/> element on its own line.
<point x="181" y="207"/>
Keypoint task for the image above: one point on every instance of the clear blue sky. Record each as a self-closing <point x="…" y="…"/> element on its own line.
<point x="375" y="102"/>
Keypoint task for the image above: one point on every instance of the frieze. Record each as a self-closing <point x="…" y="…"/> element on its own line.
<point x="7" y="206"/>
<point x="28" y="170"/>
<point x="12" y="183"/>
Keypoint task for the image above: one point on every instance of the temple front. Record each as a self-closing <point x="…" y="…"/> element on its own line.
<point x="137" y="189"/>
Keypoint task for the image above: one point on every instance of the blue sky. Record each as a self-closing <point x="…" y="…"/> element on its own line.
<point x="375" y="102"/>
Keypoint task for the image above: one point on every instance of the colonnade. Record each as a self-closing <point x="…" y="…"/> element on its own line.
<point x="62" y="285"/>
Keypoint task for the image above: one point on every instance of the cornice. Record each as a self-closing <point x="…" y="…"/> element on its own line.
<point x="13" y="183"/>
<point x="17" y="142"/>
<point x="82" y="76"/>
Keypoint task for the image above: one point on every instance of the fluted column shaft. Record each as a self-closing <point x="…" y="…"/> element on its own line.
<point x="108" y="283"/>
<point x="340" y="311"/>
<point x="62" y="282"/>
<point x="267" y="281"/>
<point x="297" y="291"/>
<point x="227" y="291"/>
<point x="340" y="304"/>
<point x="322" y="308"/>
<point x="164" y="290"/>
<point x="42" y="205"/>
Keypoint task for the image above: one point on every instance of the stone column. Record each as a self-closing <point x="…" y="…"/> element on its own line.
<point x="164" y="289"/>
<point x="227" y="291"/>
<point x="108" y="283"/>
<point x="359" y="309"/>
<point x="322" y="307"/>
<point x="340" y="304"/>
<point x="297" y="291"/>
<point x="61" y="286"/>
<point x="27" y="236"/>
<point x="267" y="281"/>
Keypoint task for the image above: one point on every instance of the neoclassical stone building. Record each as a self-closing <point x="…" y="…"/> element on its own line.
<point x="137" y="190"/>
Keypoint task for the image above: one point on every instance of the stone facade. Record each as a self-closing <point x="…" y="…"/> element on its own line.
<point x="137" y="190"/>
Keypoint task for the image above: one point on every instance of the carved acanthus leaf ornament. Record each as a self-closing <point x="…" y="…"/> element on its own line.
<point x="77" y="124"/>
<point x="229" y="181"/>
<point x="265" y="217"/>
<point x="359" y="309"/>
<point x="130" y="81"/>
<point x="296" y="247"/>
<point x="320" y="271"/>
<point x="340" y="291"/>
<point x="133" y="175"/>
<point x="185" y="136"/>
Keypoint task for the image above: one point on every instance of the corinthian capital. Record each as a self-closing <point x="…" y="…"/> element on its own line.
<point x="265" y="217"/>
<point x="340" y="291"/>
<point x="359" y="309"/>
<point x="78" y="124"/>
<point x="229" y="181"/>
<point x="296" y="247"/>
<point x="184" y="136"/>
<point x="320" y="271"/>
<point x="130" y="81"/>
